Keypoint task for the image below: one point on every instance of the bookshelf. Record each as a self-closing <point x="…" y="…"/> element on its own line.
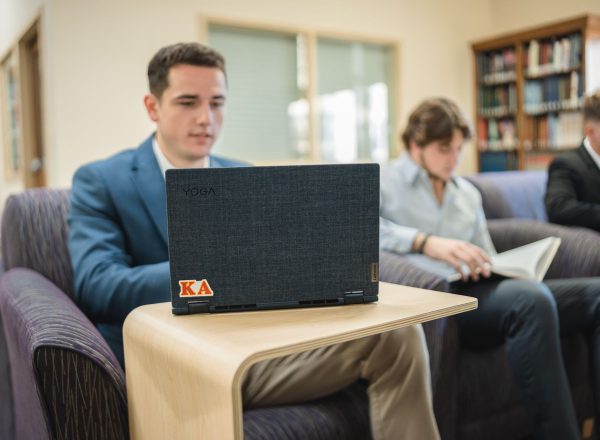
<point x="529" y="89"/>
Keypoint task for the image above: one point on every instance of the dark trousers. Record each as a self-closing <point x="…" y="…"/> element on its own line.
<point x="529" y="318"/>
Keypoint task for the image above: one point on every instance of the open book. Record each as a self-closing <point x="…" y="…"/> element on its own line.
<point x="530" y="261"/>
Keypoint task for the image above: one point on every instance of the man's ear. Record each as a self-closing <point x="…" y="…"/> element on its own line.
<point x="589" y="127"/>
<point x="152" y="104"/>
<point x="413" y="148"/>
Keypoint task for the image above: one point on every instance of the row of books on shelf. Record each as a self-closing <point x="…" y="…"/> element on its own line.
<point x="498" y="161"/>
<point x="553" y="131"/>
<point x="497" y="101"/>
<point x="497" y="66"/>
<point x="551" y="56"/>
<point x="507" y="160"/>
<point x="553" y="93"/>
<point x="547" y="132"/>
<point x="493" y="134"/>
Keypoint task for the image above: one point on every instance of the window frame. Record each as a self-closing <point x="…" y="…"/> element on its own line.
<point x="311" y="36"/>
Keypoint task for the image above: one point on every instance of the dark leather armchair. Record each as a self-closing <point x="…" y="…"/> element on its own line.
<point x="64" y="382"/>
<point x="474" y="393"/>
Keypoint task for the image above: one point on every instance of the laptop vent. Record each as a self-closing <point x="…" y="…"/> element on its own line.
<point x="235" y="307"/>
<point x="319" y="301"/>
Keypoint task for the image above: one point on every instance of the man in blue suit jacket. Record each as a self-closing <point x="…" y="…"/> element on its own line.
<point x="118" y="246"/>
<point x="112" y="201"/>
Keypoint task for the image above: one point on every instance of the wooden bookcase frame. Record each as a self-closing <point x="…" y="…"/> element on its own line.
<point x="588" y="26"/>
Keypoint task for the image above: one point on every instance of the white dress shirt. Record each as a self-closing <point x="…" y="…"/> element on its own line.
<point x="588" y="147"/>
<point x="164" y="163"/>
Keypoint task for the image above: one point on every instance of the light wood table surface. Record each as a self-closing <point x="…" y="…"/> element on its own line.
<point x="184" y="372"/>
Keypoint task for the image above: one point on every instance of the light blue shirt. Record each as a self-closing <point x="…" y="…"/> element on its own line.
<point x="408" y="205"/>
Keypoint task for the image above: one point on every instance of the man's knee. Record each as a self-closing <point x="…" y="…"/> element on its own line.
<point x="529" y="298"/>
<point x="530" y="304"/>
<point x="408" y="341"/>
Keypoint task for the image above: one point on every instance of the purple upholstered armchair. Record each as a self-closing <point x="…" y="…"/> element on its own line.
<point x="474" y="393"/>
<point x="63" y="381"/>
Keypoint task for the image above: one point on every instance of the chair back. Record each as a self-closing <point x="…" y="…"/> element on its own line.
<point x="34" y="235"/>
<point x="512" y="194"/>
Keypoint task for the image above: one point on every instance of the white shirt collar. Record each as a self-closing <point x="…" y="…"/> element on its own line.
<point x="164" y="163"/>
<point x="591" y="151"/>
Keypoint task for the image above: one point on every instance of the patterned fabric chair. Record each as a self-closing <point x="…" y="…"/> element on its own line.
<point x="66" y="383"/>
<point x="474" y="393"/>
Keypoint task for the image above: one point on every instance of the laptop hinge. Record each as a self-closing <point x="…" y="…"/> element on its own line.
<point x="198" y="307"/>
<point x="354" y="297"/>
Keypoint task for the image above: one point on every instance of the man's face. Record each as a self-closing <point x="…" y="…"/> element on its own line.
<point x="189" y="113"/>
<point x="592" y="132"/>
<point x="440" y="158"/>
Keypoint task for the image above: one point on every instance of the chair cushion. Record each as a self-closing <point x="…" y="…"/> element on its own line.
<point x="342" y="416"/>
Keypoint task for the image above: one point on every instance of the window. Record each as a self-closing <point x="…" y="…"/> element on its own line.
<point x="266" y="112"/>
<point x="299" y="95"/>
<point x="353" y="100"/>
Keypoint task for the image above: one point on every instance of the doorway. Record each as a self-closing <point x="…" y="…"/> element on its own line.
<point x="34" y="170"/>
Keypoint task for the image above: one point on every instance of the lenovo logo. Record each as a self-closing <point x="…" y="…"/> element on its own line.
<point x="195" y="191"/>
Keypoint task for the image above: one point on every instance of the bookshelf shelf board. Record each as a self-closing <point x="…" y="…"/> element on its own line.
<point x="496" y="81"/>
<point x="544" y="73"/>
<point x="553" y="107"/>
<point x="487" y="149"/>
<point x="551" y="150"/>
<point x="489" y="113"/>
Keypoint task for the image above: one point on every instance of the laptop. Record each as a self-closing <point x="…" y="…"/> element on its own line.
<point x="256" y="238"/>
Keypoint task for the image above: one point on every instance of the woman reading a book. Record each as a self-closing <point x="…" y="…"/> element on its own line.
<point x="436" y="219"/>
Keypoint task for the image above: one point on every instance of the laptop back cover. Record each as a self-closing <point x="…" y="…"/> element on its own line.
<point x="271" y="237"/>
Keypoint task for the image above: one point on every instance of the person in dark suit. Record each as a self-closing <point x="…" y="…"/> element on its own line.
<point x="118" y="246"/>
<point x="573" y="189"/>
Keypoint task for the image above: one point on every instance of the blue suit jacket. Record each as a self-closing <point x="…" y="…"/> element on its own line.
<point x="118" y="237"/>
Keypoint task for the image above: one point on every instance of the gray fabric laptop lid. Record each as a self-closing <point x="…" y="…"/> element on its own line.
<point x="272" y="237"/>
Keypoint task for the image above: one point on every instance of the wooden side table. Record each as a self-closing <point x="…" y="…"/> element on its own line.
<point x="184" y="372"/>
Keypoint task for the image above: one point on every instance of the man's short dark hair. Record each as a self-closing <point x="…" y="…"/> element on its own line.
<point x="433" y="120"/>
<point x="591" y="107"/>
<point x="195" y="54"/>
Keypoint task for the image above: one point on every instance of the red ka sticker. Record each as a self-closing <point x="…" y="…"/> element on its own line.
<point x="194" y="288"/>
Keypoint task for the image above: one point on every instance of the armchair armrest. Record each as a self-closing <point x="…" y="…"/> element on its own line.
<point x="69" y="383"/>
<point x="577" y="256"/>
<point x="397" y="269"/>
<point x="6" y="399"/>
